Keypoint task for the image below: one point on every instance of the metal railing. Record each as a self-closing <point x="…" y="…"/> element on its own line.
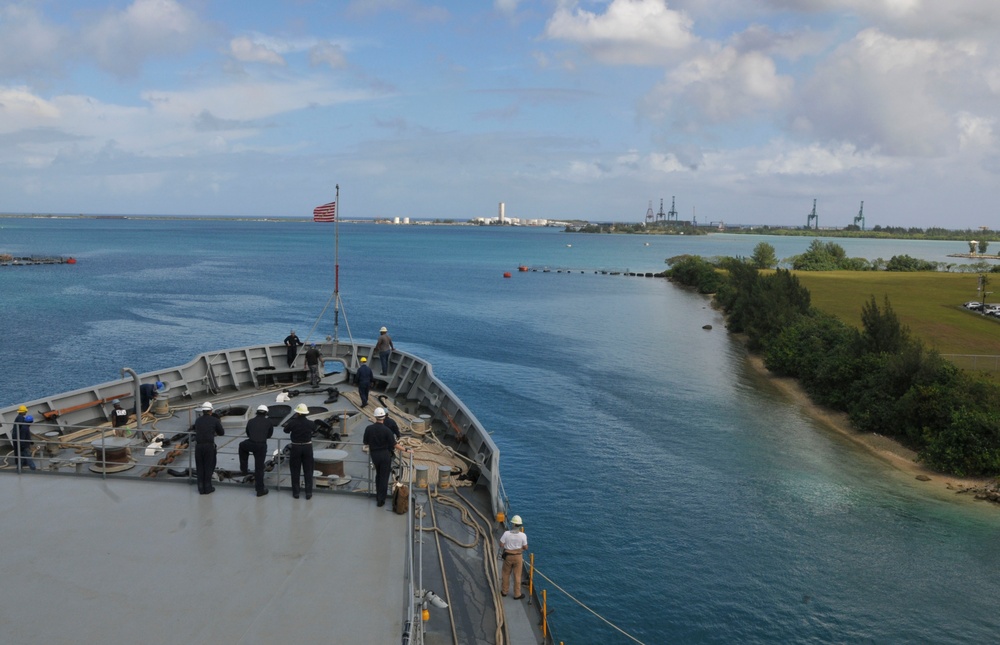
<point x="89" y="456"/>
<point x="975" y="362"/>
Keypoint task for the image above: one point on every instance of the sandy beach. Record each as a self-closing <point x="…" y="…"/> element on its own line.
<point x="892" y="452"/>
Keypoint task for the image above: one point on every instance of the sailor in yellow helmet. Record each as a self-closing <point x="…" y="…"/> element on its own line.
<point x="21" y="437"/>
<point x="365" y="378"/>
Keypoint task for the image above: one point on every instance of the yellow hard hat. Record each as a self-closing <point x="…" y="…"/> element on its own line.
<point x="22" y="409"/>
<point x="364" y="360"/>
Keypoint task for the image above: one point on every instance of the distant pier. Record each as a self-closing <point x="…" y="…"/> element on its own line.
<point x="546" y="269"/>
<point x="32" y="260"/>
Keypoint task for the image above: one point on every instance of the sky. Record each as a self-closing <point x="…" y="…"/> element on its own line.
<point x="737" y="111"/>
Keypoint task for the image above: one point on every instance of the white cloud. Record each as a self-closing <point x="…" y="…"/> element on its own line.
<point x="245" y="50"/>
<point x="630" y="32"/>
<point x="897" y="94"/>
<point x="720" y="86"/>
<point x="974" y="131"/>
<point x="122" y="41"/>
<point x="22" y="109"/>
<point x="327" y="53"/>
<point x="248" y="100"/>
<point x="630" y="164"/>
<point x="506" y="6"/>
<point x="816" y="159"/>
<point x="27" y="42"/>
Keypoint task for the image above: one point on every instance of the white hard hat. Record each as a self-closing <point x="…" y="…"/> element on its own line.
<point x="383" y="330"/>
<point x="262" y="408"/>
<point x="516" y="520"/>
<point x="379" y="413"/>
<point x="207" y="406"/>
<point x="302" y="408"/>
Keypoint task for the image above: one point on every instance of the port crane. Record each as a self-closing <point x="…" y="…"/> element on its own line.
<point x="672" y="215"/>
<point x="813" y="216"/>
<point x="649" y="213"/>
<point x="660" y="216"/>
<point x="860" y="217"/>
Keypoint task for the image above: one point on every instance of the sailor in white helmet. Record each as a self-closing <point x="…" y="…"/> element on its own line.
<point x="384" y="347"/>
<point x="380" y="443"/>
<point x="514" y="543"/>
<point x="206" y="428"/>
<point x="300" y="429"/>
<point x="259" y="430"/>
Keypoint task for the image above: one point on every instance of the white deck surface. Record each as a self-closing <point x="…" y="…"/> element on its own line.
<point x="125" y="561"/>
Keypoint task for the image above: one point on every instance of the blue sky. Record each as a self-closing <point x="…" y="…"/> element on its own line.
<point x="744" y="110"/>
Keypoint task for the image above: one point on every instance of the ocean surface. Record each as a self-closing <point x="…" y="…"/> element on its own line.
<point x="662" y="482"/>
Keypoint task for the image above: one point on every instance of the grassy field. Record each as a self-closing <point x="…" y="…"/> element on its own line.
<point x="930" y="304"/>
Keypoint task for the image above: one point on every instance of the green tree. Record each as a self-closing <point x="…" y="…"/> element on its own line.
<point x="882" y="333"/>
<point x="983" y="244"/>
<point x="906" y="263"/>
<point x="764" y="256"/>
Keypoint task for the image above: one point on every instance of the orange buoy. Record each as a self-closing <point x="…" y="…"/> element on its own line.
<point x="522" y="268"/>
<point x="71" y="261"/>
<point x="506" y="274"/>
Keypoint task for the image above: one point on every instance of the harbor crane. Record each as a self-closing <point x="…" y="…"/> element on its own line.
<point x="649" y="213"/>
<point x="672" y="215"/>
<point x="813" y="216"/>
<point x="660" y="215"/>
<point x="860" y="217"/>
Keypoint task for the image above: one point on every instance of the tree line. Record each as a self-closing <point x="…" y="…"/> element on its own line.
<point x="830" y="256"/>
<point x="886" y="380"/>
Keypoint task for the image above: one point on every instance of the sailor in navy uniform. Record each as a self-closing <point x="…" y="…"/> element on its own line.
<point x="381" y="442"/>
<point x="259" y="430"/>
<point x="300" y="429"/>
<point x="119" y="415"/>
<point x="365" y="378"/>
<point x="206" y="428"/>
<point x="292" y="342"/>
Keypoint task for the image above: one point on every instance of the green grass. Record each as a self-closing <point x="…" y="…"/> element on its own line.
<point x="930" y="304"/>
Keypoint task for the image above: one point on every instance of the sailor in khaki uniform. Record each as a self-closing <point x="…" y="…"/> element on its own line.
<point x="514" y="543"/>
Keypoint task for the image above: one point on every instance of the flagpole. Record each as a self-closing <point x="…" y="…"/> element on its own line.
<point x="336" y="270"/>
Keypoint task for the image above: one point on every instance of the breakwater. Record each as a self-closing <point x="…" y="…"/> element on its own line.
<point x="10" y="260"/>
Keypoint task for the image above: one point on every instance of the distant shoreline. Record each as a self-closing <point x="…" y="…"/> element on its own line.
<point x="201" y="218"/>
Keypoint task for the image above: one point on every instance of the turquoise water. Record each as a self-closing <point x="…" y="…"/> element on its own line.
<point x="662" y="482"/>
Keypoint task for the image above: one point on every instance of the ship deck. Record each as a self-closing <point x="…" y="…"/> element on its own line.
<point x="118" y="560"/>
<point x="97" y="551"/>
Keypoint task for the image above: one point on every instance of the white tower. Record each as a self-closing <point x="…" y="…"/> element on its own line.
<point x="500" y="212"/>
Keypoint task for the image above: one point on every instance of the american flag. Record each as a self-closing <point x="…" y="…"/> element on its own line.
<point x="325" y="213"/>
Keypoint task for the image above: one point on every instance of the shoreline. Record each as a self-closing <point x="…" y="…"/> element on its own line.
<point x="890" y="451"/>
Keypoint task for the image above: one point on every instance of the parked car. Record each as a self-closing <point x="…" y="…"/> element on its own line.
<point x="972" y="304"/>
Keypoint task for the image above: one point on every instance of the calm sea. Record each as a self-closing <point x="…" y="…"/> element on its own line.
<point x="661" y="481"/>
